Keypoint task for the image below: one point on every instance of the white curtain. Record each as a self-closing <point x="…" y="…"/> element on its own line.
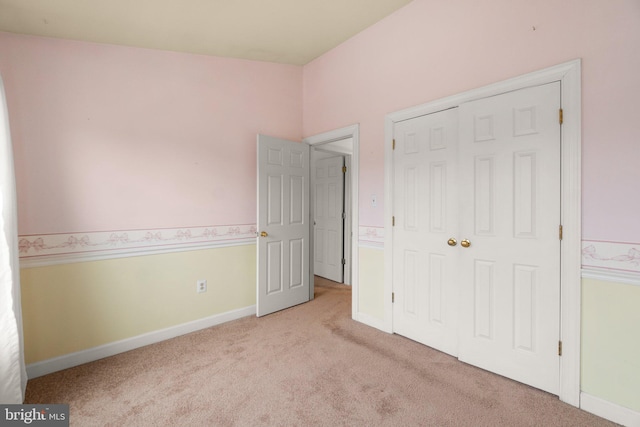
<point x="13" y="375"/>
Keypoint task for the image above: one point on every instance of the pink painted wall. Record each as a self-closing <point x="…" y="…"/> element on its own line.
<point x="435" y="48"/>
<point x="111" y="138"/>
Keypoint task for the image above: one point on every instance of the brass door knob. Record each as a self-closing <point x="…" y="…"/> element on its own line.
<point x="465" y="243"/>
<point x="452" y="242"/>
<point x="263" y="234"/>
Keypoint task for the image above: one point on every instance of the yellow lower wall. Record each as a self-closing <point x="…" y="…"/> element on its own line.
<point x="73" y="307"/>
<point x="611" y="342"/>
<point x="371" y="282"/>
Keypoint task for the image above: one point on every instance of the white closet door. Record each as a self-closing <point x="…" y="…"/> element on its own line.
<point x="425" y="211"/>
<point x="510" y="213"/>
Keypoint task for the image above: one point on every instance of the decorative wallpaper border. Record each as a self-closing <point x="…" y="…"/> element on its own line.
<point x="616" y="256"/>
<point x="371" y="236"/>
<point x="48" y="249"/>
<point x="71" y="247"/>
<point x="61" y="248"/>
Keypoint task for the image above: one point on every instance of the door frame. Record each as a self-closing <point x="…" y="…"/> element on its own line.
<point x="569" y="76"/>
<point x="352" y="208"/>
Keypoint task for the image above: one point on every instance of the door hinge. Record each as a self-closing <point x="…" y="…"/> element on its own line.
<point x="393" y="297"/>
<point x="559" y="348"/>
<point x="560" y="116"/>
<point x="344" y="261"/>
<point x="344" y="169"/>
<point x="393" y="221"/>
<point x="393" y="145"/>
<point x="560" y="232"/>
<point x="344" y="215"/>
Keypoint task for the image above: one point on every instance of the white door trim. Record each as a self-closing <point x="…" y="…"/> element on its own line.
<point x="569" y="74"/>
<point x="324" y="138"/>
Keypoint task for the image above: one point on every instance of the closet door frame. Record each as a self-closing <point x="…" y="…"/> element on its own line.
<point x="569" y="76"/>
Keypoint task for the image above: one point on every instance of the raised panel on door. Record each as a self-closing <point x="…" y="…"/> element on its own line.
<point x="510" y="211"/>
<point x="328" y="218"/>
<point x="275" y="278"/>
<point x="483" y="300"/>
<point x="283" y="224"/>
<point x="425" y="211"/>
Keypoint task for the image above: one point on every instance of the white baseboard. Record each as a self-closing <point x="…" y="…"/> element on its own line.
<point x="48" y="366"/>
<point x="612" y="412"/>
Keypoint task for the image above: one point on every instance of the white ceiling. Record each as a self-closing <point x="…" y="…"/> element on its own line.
<point x="284" y="31"/>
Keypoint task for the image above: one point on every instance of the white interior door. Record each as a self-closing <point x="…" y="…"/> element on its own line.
<point x="426" y="217"/>
<point x="329" y="218"/>
<point x="283" y="224"/>
<point x="510" y="213"/>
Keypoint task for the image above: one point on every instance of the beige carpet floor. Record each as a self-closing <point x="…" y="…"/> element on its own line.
<point x="308" y="365"/>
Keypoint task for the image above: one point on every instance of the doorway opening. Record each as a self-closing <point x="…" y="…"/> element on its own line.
<point x="330" y="191"/>
<point x="341" y="145"/>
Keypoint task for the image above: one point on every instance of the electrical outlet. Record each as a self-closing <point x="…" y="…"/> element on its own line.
<point x="201" y="286"/>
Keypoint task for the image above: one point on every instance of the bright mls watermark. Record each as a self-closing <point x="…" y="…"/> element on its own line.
<point x="34" y="415"/>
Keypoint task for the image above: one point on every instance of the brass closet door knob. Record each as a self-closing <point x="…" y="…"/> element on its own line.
<point x="452" y="242"/>
<point x="465" y="243"/>
<point x="263" y="234"/>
